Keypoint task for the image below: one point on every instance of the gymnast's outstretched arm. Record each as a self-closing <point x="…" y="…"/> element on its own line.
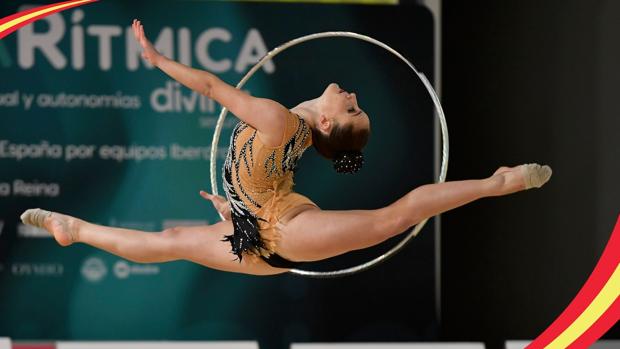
<point x="265" y="115"/>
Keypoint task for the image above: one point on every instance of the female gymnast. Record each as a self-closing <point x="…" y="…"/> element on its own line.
<point x="268" y="227"/>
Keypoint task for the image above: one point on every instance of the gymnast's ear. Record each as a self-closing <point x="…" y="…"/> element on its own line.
<point x="325" y="124"/>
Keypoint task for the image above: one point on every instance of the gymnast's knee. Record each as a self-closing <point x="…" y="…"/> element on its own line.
<point x="395" y="220"/>
<point x="170" y="233"/>
<point x="405" y="216"/>
<point x="171" y="241"/>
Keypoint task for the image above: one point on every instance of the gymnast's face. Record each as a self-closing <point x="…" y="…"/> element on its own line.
<point x="339" y="106"/>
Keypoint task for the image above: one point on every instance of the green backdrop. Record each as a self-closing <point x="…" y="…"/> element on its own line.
<point x="87" y="129"/>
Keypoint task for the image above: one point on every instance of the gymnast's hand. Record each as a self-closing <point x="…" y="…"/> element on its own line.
<point x="149" y="52"/>
<point x="219" y="202"/>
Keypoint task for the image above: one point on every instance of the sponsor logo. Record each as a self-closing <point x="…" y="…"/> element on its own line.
<point x="124" y="269"/>
<point x="62" y="45"/>
<point x="94" y="270"/>
<point x="37" y="269"/>
<point x="28" y="231"/>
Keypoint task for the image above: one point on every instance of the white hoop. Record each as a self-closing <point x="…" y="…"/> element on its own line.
<point x="439" y="113"/>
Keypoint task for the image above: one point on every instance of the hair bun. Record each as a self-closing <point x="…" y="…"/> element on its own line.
<point x="348" y="161"/>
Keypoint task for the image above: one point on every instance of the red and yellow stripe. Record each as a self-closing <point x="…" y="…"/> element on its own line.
<point x="12" y="23"/>
<point x="595" y="308"/>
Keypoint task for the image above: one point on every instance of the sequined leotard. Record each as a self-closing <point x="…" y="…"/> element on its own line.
<point x="258" y="181"/>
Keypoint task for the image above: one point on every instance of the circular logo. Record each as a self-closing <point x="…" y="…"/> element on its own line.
<point x="122" y="269"/>
<point x="94" y="270"/>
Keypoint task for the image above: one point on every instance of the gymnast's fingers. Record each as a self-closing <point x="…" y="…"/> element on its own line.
<point x="136" y="34"/>
<point x="142" y="35"/>
<point x="210" y="197"/>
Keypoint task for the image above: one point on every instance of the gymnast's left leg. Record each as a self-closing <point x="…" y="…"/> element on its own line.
<point x="201" y="244"/>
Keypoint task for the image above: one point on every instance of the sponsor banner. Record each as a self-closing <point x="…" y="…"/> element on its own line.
<point x="451" y="345"/>
<point x="88" y="128"/>
<point x="5" y="343"/>
<point x="158" y="345"/>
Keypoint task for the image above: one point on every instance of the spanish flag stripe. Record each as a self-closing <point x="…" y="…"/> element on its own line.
<point x="602" y="273"/>
<point x="29" y="11"/>
<point x="8" y="26"/>
<point x="591" y="315"/>
<point x="611" y="316"/>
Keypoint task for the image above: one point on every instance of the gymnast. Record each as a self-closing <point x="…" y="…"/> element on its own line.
<point x="268" y="228"/>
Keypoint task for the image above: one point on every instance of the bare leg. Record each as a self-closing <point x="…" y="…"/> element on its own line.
<point x="315" y="234"/>
<point x="200" y="245"/>
<point x="311" y="235"/>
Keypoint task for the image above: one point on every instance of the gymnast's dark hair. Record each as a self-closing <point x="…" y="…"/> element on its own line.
<point x="343" y="145"/>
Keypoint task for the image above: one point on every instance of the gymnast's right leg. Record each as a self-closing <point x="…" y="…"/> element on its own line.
<point x="201" y="244"/>
<point x="316" y="234"/>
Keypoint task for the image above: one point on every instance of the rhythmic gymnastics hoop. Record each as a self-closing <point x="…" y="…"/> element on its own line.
<point x="439" y="112"/>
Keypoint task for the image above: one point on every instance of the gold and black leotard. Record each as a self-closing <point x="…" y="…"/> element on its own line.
<point x="258" y="180"/>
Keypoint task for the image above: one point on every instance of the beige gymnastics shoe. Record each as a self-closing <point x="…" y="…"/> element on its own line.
<point x="35" y="216"/>
<point x="64" y="228"/>
<point x="535" y="175"/>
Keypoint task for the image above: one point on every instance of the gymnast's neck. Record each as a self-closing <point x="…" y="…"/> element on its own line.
<point x="308" y="110"/>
